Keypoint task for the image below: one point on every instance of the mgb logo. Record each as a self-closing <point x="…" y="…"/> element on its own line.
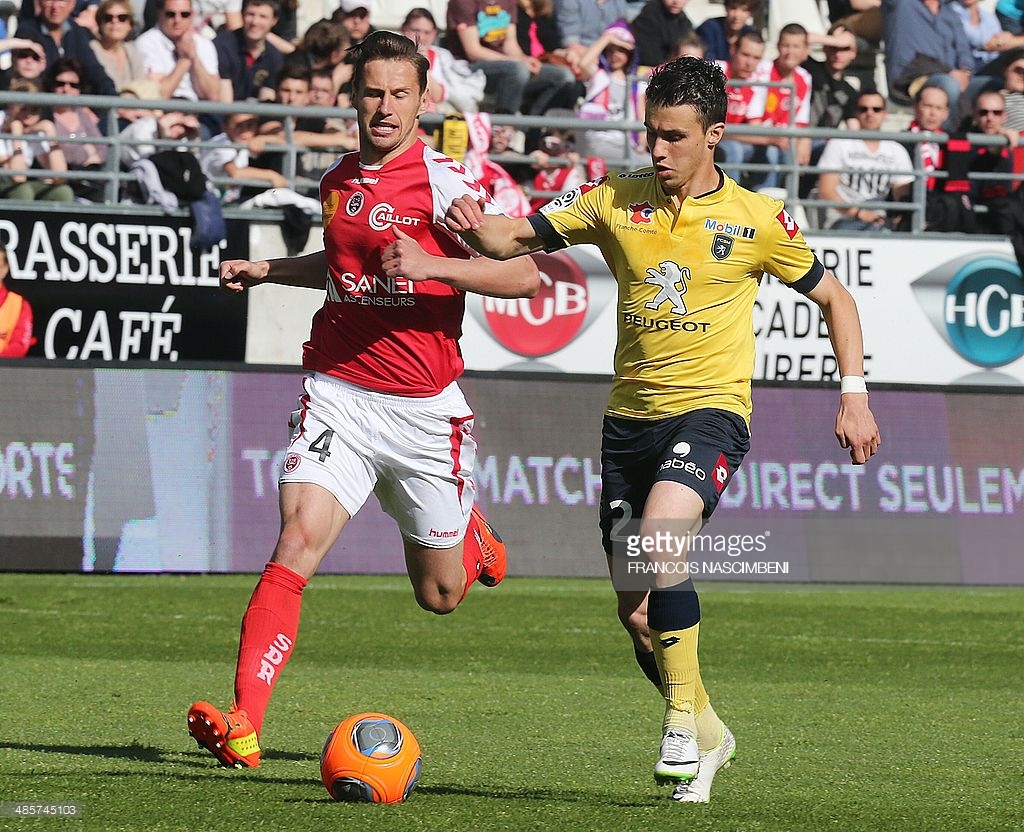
<point x="383" y="216"/>
<point x="671" y="283"/>
<point x="273" y="657"/>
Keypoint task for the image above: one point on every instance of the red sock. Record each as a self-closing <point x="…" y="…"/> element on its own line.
<point x="472" y="560"/>
<point x="269" y="628"/>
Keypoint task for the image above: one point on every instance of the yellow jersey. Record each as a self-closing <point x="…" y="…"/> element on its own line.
<point x="687" y="279"/>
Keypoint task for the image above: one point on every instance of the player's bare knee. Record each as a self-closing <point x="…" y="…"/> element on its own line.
<point x="437" y="599"/>
<point x="634" y="621"/>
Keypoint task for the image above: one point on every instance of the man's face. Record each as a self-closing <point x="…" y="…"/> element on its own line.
<point x="388" y="104"/>
<point x="293" y="91"/>
<point x="990" y="113"/>
<point x="176" y="18"/>
<point x="55" y="12"/>
<point x="932" y="108"/>
<point x="871" y="111"/>
<point x="420" y="32"/>
<point x="257" y="21"/>
<point x="673" y="6"/>
<point x="793" y="51"/>
<point x="745" y="59"/>
<point x="322" y="92"/>
<point x="838" y="58"/>
<point x="357" y="23"/>
<point x="679" y="144"/>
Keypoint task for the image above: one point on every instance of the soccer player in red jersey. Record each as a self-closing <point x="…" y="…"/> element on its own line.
<point x="381" y="409"/>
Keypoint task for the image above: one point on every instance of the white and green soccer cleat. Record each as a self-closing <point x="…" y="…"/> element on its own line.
<point x="698" y="790"/>
<point x="678" y="760"/>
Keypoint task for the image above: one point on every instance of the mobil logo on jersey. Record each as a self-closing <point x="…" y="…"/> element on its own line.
<point x="382" y="216"/>
<point x="976" y="303"/>
<point x="575" y="286"/>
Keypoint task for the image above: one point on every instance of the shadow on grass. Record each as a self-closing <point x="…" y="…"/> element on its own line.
<point x="518" y="795"/>
<point x="136" y="752"/>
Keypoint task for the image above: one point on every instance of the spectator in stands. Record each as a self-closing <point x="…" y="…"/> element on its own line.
<point x="483" y="32"/>
<point x="581" y="22"/>
<point x="117" y="54"/>
<point x="355" y="16"/>
<point x="557" y="165"/>
<point x="720" y="34"/>
<point x="1010" y="14"/>
<point x="873" y="171"/>
<point x="613" y="93"/>
<point x="228" y="162"/>
<point x="172" y="125"/>
<point x="15" y="317"/>
<point x="984" y="33"/>
<point x="452" y="85"/>
<point x="183" y="60"/>
<point x="246" y="58"/>
<point x="926" y="43"/>
<point x="61" y="37"/>
<point x="324" y="46"/>
<point x="28" y="61"/>
<point x="780" y="106"/>
<point x="658" y="27"/>
<point x="287" y="28"/>
<point x="862" y="17"/>
<point x="931" y="110"/>
<point x="33" y="145"/>
<point x="537" y="30"/>
<point x="75" y="122"/>
<point x="689" y="45"/>
<point x="1003" y="215"/>
<point x="1013" y="90"/>
<point x="736" y="149"/>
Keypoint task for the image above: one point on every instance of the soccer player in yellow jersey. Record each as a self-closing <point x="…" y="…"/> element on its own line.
<point x="688" y="248"/>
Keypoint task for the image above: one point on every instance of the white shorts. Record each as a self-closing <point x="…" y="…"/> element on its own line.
<point x="416" y="454"/>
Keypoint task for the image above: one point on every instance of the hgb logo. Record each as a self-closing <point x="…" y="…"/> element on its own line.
<point x="976" y="303"/>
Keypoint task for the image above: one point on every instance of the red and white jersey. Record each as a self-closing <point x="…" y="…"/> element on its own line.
<point x="389" y="334"/>
<point x="773" y="104"/>
<point x="739" y="97"/>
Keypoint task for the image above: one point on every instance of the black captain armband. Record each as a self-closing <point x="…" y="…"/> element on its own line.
<point x="546" y="231"/>
<point x="813" y="277"/>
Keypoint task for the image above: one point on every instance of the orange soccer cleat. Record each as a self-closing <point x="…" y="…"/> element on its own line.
<point x="229" y="736"/>
<point x="492" y="550"/>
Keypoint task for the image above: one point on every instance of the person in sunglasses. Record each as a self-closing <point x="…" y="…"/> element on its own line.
<point x="28" y="60"/>
<point x="61" y="37"/>
<point x="184" y="61"/>
<point x="873" y="171"/>
<point x="118" y="55"/>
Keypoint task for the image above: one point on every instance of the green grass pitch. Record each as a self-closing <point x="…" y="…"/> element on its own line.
<point x="854" y="708"/>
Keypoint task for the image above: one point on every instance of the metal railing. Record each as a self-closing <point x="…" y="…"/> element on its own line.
<point x="116" y="173"/>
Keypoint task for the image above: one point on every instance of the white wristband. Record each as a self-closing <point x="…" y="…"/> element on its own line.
<point x="852" y="384"/>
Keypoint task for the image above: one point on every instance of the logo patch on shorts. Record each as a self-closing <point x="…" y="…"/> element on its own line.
<point x="291" y="462"/>
<point x="720" y="476"/>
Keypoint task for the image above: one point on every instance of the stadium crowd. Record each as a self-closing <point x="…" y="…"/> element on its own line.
<point x="585" y="59"/>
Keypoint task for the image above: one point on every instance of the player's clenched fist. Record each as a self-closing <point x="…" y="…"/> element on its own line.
<point x="465" y="214"/>
<point x="406" y="258"/>
<point x="237" y="275"/>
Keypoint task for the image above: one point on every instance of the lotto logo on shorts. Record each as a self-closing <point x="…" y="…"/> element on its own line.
<point x="720" y="475"/>
<point x="291" y="462"/>
<point x="788" y="223"/>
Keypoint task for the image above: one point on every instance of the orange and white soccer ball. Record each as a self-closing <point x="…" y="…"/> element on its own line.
<point x="370" y="758"/>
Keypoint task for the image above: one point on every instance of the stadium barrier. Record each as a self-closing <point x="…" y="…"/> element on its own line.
<point x="115" y="173"/>
<point x="137" y="470"/>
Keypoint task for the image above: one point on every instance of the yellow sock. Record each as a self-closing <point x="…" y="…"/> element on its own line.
<point x="676" y="654"/>
<point x="709" y="729"/>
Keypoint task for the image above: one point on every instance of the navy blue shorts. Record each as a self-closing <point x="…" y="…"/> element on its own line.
<point x="700" y="449"/>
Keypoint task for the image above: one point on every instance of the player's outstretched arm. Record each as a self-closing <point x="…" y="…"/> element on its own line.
<point x="492" y="235"/>
<point x="515" y="278"/>
<point x="308" y="271"/>
<point x="855" y="424"/>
